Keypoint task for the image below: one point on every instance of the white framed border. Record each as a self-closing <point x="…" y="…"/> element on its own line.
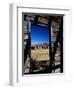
<point x="16" y="77"/>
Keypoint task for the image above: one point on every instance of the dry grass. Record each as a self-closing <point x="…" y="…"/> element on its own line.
<point x="40" y="54"/>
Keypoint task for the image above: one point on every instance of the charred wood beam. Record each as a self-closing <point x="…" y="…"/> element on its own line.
<point x="50" y="51"/>
<point x="61" y="43"/>
<point x="60" y="40"/>
<point x="39" y="24"/>
<point x="27" y="49"/>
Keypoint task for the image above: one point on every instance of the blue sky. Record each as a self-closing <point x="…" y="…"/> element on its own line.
<point x="39" y="35"/>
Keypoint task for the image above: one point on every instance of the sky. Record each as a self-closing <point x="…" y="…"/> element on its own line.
<point x="39" y="35"/>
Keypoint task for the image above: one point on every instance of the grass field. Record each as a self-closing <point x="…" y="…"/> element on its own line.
<point x="40" y="54"/>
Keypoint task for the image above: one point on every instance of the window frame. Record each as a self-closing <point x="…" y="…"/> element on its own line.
<point x="16" y="10"/>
